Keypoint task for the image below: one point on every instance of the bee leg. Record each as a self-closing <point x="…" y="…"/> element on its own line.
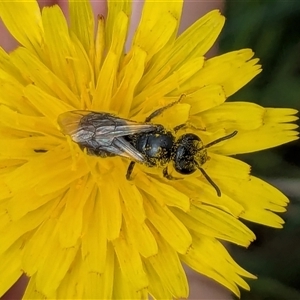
<point x="178" y="127"/>
<point x="162" y="109"/>
<point x="169" y="176"/>
<point x="129" y="170"/>
<point x="187" y="125"/>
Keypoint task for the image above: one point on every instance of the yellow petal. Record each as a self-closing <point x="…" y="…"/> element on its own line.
<point x="94" y="239"/>
<point x="49" y="276"/>
<point x="10" y="265"/>
<point x="256" y="196"/>
<point x="43" y="101"/>
<point x="17" y="207"/>
<point x="70" y="221"/>
<point x="176" y="115"/>
<point x="194" y="42"/>
<point x="142" y="238"/>
<point x="100" y="285"/>
<point x="36" y="72"/>
<point x="159" y="23"/>
<point x="25" y="148"/>
<point x="25" y="12"/>
<point x="210" y="258"/>
<point x="215" y="223"/>
<point x="171" y="83"/>
<point x="106" y="82"/>
<point x="129" y="78"/>
<point x="139" y="234"/>
<point x="170" y="228"/>
<point x="68" y="59"/>
<point x="132" y="199"/>
<point x="39" y="179"/>
<point x="220" y="166"/>
<point x="110" y="199"/>
<point x="169" y="269"/>
<point x="64" y="178"/>
<point x="200" y="36"/>
<point x="72" y="285"/>
<point x="99" y="45"/>
<point x="200" y="192"/>
<point x="130" y="261"/>
<point x="234" y="115"/>
<point x="205" y="98"/>
<point x="82" y="24"/>
<point x="7" y="67"/>
<point x="54" y="22"/>
<point x="31" y="291"/>
<point x="123" y="288"/>
<point x="171" y="196"/>
<point x="115" y="9"/>
<point x="264" y="217"/>
<point x="4" y="215"/>
<point x="156" y="289"/>
<point x="237" y="69"/>
<point x="258" y="128"/>
<point x="12" y="231"/>
<point x="28" y="124"/>
<point x="12" y="82"/>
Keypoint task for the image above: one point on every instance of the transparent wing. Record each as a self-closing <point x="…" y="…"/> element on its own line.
<point x="119" y="147"/>
<point x="103" y="133"/>
<point x="69" y="121"/>
<point x="82" y="125"/>
<point x="127" y="150"/>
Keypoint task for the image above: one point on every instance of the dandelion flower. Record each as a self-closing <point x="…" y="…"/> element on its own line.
<point x="71" y="221"/>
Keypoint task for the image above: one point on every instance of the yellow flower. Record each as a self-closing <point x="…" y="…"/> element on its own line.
<point x="71" y="221"/>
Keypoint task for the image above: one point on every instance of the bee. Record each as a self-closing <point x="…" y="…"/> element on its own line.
<point x="105" y="135"/>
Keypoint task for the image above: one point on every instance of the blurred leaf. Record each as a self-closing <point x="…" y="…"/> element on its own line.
<point x="268" y="288"/>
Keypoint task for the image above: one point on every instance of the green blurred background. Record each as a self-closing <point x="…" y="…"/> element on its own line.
<point x="272" y="29"/>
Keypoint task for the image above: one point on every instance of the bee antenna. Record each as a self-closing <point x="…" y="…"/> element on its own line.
<point x="226" y="137"/>
<point x="209" y="180"/>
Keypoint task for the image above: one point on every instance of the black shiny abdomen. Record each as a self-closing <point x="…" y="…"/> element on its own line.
<point x="156" y="146"/>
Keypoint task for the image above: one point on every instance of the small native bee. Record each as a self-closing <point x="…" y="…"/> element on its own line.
<point x="103" y="134"/>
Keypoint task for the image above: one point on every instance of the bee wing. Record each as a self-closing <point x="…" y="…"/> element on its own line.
<point x="120" y="147"/>
<point x="69" y="121"/>
<point x="81" y="125"/>
<point x="103" y="133"/>
<point x="127" y="150"/>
